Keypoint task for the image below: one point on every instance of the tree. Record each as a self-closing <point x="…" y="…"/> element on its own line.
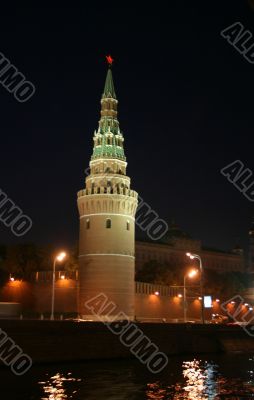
<point x="22" y="260"/>
<point x="3" y="272"/>
<point x="225" y="284"/>
<point x="71" y="263"/>
<point x="154" y="272"/>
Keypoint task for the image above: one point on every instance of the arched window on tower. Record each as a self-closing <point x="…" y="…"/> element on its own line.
<point x="108" y="223"/>
<point x="128" y="225"/>
<point x="88" y="223"/>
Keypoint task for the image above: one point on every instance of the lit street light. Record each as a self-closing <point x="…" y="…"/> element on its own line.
<point x="191" y="274"/>
<point x="192" y="257"/>
<point x="60" y="257"/>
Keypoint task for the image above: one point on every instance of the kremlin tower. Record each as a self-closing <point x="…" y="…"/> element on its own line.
<point x="107" y="208"/>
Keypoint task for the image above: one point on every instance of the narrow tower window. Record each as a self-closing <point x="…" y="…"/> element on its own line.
<point x="108" y="223"/>
<point x="88" y="223"/>
<point x="128" y="225"/>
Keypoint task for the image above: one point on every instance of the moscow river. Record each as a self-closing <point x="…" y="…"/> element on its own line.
<point x="204" y="377"/>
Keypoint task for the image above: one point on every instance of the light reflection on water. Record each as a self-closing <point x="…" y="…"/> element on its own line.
<point x="199" y="383"/>
<point x="203" y="382"/>
<point x="200" y="379"/>
<point x="227" y="377"/>
<point x="55" y="389"/>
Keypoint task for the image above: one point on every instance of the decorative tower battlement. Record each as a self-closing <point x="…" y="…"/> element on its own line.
<point x="107" y="208"/>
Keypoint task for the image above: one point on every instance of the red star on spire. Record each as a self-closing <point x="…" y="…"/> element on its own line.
<point x="109" y="60"/>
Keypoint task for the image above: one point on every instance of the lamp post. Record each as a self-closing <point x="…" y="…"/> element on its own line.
<point x="191" y="274"/>
<point x="192" y="257"/>
<point x="60" y="257"/>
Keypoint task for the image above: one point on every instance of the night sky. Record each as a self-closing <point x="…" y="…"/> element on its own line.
<point x="185" y="109"/>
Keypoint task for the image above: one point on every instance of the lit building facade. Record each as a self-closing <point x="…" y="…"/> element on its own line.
<point x="107" y="208"/>
<point x="171" y="252"/>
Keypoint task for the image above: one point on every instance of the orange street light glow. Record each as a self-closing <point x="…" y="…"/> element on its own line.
<point x="192" y="273"/>
<point x="61" y="256"/>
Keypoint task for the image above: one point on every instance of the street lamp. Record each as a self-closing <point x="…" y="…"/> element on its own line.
<point x="60" y="257"/>
<point x="191" y="274"/>
<point x="192" y="257"/>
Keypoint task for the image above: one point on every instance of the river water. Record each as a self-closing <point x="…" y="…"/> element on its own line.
<point x="206" y="377"/>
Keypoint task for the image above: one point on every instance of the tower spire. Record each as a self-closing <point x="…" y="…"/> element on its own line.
<point x="108" y="139"/>
<point x="109" y="90"/>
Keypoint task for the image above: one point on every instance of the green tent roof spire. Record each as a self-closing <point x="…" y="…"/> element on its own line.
<point x="109" y="90"/>
<point x="108" y="139"/>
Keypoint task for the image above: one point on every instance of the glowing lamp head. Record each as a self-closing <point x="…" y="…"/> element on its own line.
<point x="61" y="256"/>
<point x="232" y="302"/>
<point x="217" y="300"/>
<point x="180" y="295"/>
<point x="62" y="277"/>
<point x="12" y="279"/>
<point x="192" y="273"/>
<point x="156" y="293"/>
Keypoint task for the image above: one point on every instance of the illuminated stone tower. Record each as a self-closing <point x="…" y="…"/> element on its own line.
<point x="107" y="208"/>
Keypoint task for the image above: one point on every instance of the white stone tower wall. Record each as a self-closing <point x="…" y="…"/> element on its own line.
<point x="107" y="208"/>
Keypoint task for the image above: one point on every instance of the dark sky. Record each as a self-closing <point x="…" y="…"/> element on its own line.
<point x="185" y="109"/>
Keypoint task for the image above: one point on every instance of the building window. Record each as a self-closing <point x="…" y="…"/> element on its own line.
<point x="128" y="225"/>
<point x="88" y="224"/>
<point x="108" y="223"/>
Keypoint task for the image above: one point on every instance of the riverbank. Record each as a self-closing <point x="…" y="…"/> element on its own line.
<point x="68" y="341"/>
